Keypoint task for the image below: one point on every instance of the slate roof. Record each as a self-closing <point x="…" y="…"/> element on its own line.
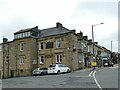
<point x="27" y="29"/>
<point x="53" y="31"/>
<point x="59" y="29"/>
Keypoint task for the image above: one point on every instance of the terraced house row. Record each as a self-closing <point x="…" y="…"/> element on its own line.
<point x="32" y="48"/>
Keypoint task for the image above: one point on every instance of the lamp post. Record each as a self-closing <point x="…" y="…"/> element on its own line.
<point x="93" y="34"/>
<point x="112" y="45"/>
<point x="112" y="57"/>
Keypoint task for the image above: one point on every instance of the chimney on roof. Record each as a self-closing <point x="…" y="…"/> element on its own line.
<point x="86" y="37"/>
<point x="36" y="27"/>
<point x="81" y="33"/>
<point x="73" y="30"/>
<point x="96" y="42"/>
<point x="5" y="40"/>
<point x="58" y="25"/>
<point x="90" y="40"/>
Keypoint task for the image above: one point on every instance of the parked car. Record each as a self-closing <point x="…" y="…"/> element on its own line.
<point x="39" y="71"/>
<point x="58" y="68"/>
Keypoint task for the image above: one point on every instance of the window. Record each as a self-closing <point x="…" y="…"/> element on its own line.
<point x="82" y="45"/>
<point x="22" y="46"/>
<point x="16" y="36"/>
<point x="81" y="57"/>
<point x="41" y="45"/>
<point x="58" y="58"/>
<point x="41" y="59"/>
<point x="21" y="59"/>
<point x="25" y="34"/>
<point x="58" y="43"/>
<point x="6" y="59"/>
<point x="28" y="33"/>
<point x="96" y="52"/>
<point x="49" y="45"/>
<point x="6" y="47"/>
<point x="20" y="35"/>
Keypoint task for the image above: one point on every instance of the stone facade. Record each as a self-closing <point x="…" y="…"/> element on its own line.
<point x="32" y="48"/>
<point x="1" y="61"/>
<point x="63" y="54"/>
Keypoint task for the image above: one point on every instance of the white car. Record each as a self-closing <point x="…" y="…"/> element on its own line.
<point x="58" y="68"/>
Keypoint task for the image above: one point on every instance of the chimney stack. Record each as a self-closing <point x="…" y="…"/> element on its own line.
<point x="81" y="33"/>
<point x="96" y="42"/>
<point x="73" y="30"/>
<point x="5" y="40"/>
<point x="86" y="37"/>
<point x="58" y="25"/>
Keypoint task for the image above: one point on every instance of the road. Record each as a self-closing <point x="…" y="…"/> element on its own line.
<point x="99" y="79"/>
<point x="108" y="77"/>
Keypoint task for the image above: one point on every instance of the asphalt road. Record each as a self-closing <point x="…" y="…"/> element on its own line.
<point x="108" y="77"/>
<point x="101" y="78"/>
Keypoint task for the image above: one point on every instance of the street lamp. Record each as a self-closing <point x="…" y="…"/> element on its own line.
<point x="112" y="45"/>
<point x="93" y="34"/>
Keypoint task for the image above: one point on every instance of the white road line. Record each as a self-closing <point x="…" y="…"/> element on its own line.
<point x="96" y="81"/>
<point x="90" y="74"/>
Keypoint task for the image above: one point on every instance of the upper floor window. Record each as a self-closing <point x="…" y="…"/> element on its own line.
<point x="82" y="45"/>
<point x="49" y="45"/>
<point x="41" y="45"/>
<point x="22" y="35"/>
<point x="22" y="46"/>
<point x="7" y="59"/>
<point x="58" y="43"/>
<point x="89" y="49"/>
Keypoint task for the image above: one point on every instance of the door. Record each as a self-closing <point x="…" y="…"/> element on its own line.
<point x="12" y="73"/>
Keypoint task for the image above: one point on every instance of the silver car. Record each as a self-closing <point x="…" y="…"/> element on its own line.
<point x="40" y="71"/>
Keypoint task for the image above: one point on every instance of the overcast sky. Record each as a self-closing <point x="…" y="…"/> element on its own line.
<point x="73" y="14"/>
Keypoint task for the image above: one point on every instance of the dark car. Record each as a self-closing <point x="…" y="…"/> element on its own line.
<point x="110" y="64"/>
<point x="39" y="71"/>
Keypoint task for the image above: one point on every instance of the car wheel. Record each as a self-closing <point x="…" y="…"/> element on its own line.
<point x="68" y="70"/>
<point x="58" y="72"/>
<point x="42" y="73"/>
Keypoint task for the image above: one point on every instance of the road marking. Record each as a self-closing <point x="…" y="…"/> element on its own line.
<point x="90" y="74"/>
<point x="96" y="80"/>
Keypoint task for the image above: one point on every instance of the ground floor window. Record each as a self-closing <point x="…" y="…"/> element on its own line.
<point x="59" y="58"/>
<point x="21" y="59"/>
<point x="41" y="59"/>
<point x="81" y="57"/>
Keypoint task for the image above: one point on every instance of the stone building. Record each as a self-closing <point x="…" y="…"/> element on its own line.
<point x="32" y="48"/>
<point x="57" y="45"/>
<point x="1" y="61"/>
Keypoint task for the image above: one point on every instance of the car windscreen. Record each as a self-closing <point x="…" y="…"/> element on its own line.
<point x="43" y="68"/>
<point x="52" y="65"/>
